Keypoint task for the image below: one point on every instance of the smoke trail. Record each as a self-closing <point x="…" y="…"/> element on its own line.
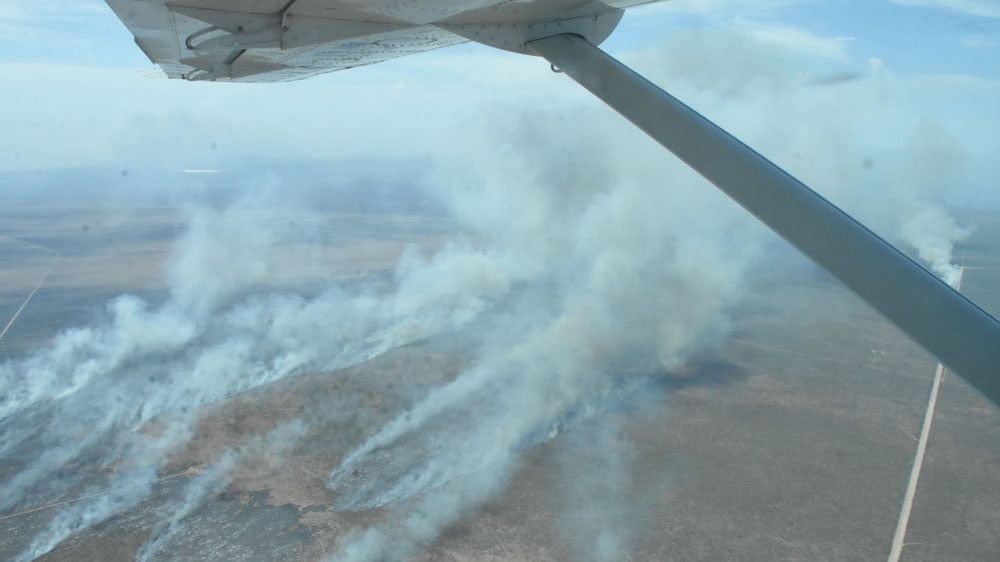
<point x="125" y="489"/>
<point x="130" y="387"/>
<point x="601" y="515"/>
<point x="214" y="478"/>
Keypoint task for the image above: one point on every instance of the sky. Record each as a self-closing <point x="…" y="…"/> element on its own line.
<point x="76" y="91"/>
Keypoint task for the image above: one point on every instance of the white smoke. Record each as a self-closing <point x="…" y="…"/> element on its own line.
<point x="124" y="490"/>
<point x="937" y="160"/>
<point x="92" y="395"/>
<point x="934" y="233"/>
<point x="214" y="478"/>
<point x="601" y="515"/>
<point x="622" y="268"/>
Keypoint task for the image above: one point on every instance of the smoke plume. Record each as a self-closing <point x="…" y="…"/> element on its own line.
<point x="623" y="264"/>
<point x="619" y="271"/>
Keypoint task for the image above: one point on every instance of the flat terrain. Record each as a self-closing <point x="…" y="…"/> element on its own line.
<point x="791" y="441"/>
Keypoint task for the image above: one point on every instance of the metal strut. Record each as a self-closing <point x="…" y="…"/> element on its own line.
<point x="962" y="335"/>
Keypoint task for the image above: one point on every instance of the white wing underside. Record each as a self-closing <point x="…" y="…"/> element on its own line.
<point x="282" y="40"/>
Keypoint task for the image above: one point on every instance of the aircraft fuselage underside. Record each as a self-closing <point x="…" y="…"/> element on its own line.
<point x="282" y="40"/>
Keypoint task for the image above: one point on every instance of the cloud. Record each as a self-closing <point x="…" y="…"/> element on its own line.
<point x="980" y="40"/>
<point x="47" y="11"/>
<point x="799" y="41"/>
<point x="175" y="124"/>
<point x="717" y="8"/>
<point x="984" y="8"/>
<point x="61" y="31"/>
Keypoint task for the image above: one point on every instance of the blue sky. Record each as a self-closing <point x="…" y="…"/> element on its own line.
<point x="74" y="90"/>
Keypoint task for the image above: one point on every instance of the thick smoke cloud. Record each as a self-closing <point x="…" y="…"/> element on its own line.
<point x="591" y="261"/>
<point x="620" y="271"/>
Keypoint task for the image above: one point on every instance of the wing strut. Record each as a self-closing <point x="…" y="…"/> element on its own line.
<point x="962" y="335"/>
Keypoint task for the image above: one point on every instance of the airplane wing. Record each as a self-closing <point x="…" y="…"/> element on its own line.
<point x="260" y="41"/>
<point x="283" y="40"/>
